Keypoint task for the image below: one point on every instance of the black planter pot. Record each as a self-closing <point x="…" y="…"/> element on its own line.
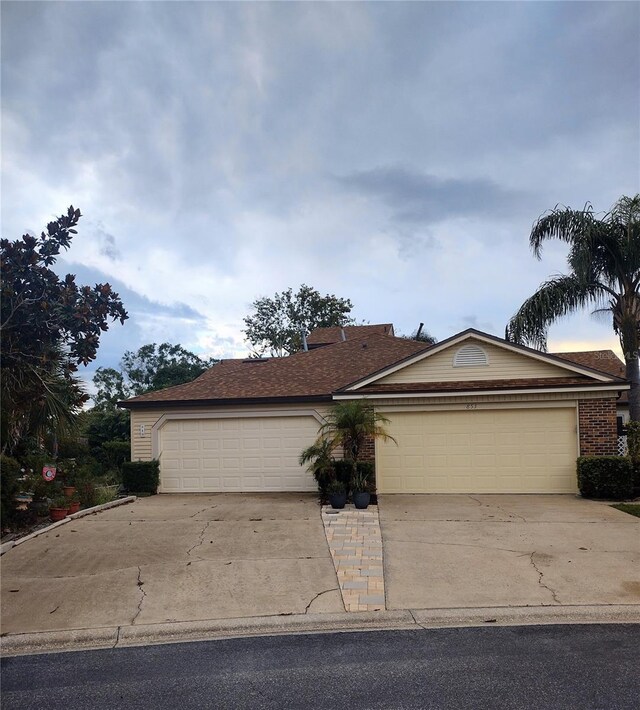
<point x="338" y="500"/>
<point x="361" y="500"/>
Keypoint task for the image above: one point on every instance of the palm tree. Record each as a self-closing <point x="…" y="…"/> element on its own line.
<point x="319" y="458"/>
<point x="350" y="425"/>
<point x="604" y="262"/>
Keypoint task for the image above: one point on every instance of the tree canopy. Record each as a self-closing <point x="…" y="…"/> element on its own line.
<point x="151" y="367"/>
<point x="276" y="324"/>
<point x="604" y="273"/>
<point x="49" y="326"/>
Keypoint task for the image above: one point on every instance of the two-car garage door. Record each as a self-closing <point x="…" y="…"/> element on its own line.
<point x="462" y="451"/>
<point x="235" y="454"/>
<point x="479" y="451"/>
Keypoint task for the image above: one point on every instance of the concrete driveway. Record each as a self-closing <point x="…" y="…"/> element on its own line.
<point x="173" y="558"/>
<point x="448" y="551"/>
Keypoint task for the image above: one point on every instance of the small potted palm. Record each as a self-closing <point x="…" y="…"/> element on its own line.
<point x="360" y="491"/>
<point x="337" y="494"/>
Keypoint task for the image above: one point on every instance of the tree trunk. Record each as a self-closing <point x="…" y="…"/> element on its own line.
<point x="633" y="375"/>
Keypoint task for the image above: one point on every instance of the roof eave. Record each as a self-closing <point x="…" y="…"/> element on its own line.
<point x="241" y="401"/>
<point x="397" y="394"/>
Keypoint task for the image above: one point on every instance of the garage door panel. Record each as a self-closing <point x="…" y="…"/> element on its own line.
<point x="479" y="451"/>
<point x="239" y="454"/>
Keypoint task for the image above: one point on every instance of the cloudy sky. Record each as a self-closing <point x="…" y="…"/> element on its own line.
<point x="393" y="153"/>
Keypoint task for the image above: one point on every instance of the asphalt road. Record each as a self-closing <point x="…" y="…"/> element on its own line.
<point x="586" y="666"/>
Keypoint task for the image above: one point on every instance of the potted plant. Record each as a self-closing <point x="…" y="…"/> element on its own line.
<point x="337" y="494"/>
<point x="319" y="462"/>
<point x="74" y="504"/>
<point x="352" y="425"/>
<point x="58" y="509"/>
<point x="360" y="487"/>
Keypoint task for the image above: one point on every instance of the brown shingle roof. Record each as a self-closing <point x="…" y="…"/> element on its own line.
<point x="605" y="361"/>
<point x="312" y="374"/>
<point x="333" y="334"/>
<point x="318" y="373"/>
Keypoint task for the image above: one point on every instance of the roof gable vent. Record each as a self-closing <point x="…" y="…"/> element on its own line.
<point x="470" y="356"/>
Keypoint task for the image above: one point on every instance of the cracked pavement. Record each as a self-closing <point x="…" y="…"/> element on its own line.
<point x="173" y="558"/>
<point x="455" y="551"/>
<point x="181" y="558"/>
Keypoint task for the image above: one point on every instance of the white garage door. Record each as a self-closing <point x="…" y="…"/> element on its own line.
<point x="479" y="451"/>
<point x="248" y="454"/>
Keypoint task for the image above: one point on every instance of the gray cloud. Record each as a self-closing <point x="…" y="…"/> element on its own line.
<point x="415" y="196"/>
<point x="201" y="139"/>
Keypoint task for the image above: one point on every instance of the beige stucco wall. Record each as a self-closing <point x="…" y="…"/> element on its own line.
<point x="503" y="365"/>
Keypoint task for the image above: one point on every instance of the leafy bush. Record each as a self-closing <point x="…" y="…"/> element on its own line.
<point x="336" y="487"/>
<point x="319" y="461"/>
<point x="367" y="470"/>
<point x="605" y="477"/>
<point x="115" y="453"/>
<point x="10" y="484"/>
<point x="344" y="471"/>
<point x="105" y="494"/>
<point x="142" y="476"/>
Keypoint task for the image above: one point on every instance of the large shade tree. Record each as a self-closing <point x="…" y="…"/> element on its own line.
<point x="276" y="324"/>
<point x="604" y="274"/>
<point x="49" y="327"/>
<point x="151" y="367"/>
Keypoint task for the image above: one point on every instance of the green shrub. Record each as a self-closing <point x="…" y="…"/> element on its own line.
<point x="116" y="453"/>
<point x="105" y="494"/>
<point x="605" y="477"/>
<point x="142" y="476"/>
<point x="367" y="470"/>
<point x="10" y="484"/>
<point x="344" y="471"/>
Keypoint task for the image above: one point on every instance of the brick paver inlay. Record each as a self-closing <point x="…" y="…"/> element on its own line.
<point x="356" y="549"/>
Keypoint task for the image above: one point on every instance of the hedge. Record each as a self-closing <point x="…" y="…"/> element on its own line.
<point x="141" y="476"/>
<point x="344" y="469"/>
<point x="605" y="477"/>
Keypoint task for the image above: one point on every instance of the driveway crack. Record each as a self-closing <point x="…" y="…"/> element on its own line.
<point x="209" y="507"/>
<point x="540" y="578"/>
<point x="319" y="594"/>
<point x="495" y="505"/>
<point x="413" y="616"/>
<point x="142" y="597"/>
<point x="200" y="538"/>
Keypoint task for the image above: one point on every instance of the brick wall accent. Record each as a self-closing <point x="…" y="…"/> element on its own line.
<point x="598" y="427"/>
<point x="368" y="450"/>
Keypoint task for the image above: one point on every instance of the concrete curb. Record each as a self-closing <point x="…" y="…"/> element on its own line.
<point x="217" y="629"/>
<point x="74" y="516"/>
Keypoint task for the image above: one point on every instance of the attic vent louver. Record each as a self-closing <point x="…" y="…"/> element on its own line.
<point x="470" y="356"/>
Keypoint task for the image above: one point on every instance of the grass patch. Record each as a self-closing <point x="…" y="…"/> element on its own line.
<point x="631" y="508"/>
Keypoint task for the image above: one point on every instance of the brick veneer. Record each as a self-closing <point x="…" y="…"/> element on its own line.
<point x="598" y="427"/>
<point x="368" y="450"/>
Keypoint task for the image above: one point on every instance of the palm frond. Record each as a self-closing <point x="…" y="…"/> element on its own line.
<point x="557" y="297"/>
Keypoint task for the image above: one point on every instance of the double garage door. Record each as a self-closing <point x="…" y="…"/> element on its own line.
<point x="479" y="451"/>
<point x="235" y="454"/>
<point x="474" y="451"/>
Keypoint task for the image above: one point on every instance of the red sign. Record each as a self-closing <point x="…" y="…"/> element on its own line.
<point x="48" y="473"/>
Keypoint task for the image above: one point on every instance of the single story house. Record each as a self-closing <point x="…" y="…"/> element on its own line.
<point x="471" y="414"/>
